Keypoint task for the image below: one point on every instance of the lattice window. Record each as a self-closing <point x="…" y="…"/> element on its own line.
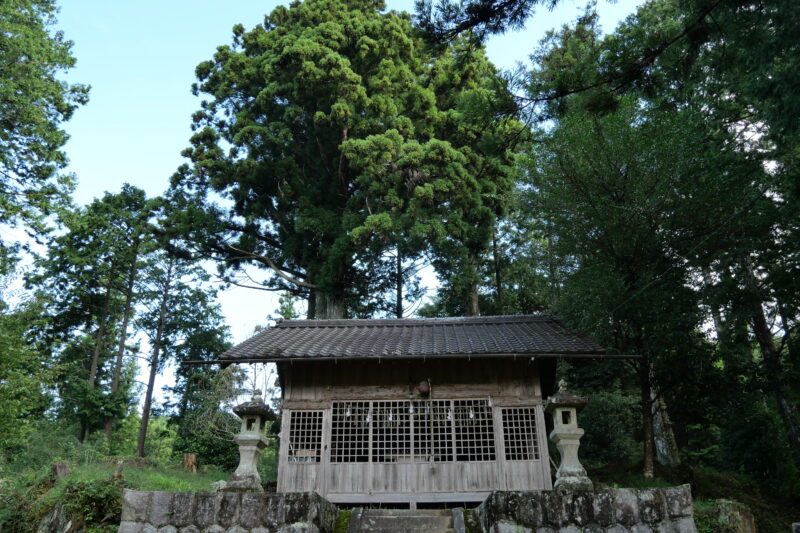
<point x="406" y="431"/>
<point x="350" y="432"/>
<point x="391" y="432"/>
<point x="519" y="430"/>
<point x="474" y="427"/>
<point x="433" y="430"/>
<point x="305" y="436"/>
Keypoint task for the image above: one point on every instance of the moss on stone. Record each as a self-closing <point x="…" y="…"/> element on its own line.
<point x="342" y="521"/>
<point x="471" y="522"/>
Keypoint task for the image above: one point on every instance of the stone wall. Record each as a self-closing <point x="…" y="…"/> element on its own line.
<point x="653" y="510"/>
<point x="225" y="512"/>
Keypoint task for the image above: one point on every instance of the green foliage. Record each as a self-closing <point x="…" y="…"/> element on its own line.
<point x="342" y="140"/>
<point x="25" y="377"/>
<point x="98" y="503"/>
<point x="34" y="101"/>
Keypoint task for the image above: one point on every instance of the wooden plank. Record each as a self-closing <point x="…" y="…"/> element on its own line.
<point x="283" y="453"/>
<point x="419" y="497"/>
<point x="544" y="454"/>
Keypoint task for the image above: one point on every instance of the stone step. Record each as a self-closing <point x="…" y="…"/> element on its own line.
<point x="407" y="512"/>
<point x="401" y="521"/>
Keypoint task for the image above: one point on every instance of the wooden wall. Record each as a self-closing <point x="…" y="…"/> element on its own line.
<point x="315" y="385"/>
<point x="309" y="384"/>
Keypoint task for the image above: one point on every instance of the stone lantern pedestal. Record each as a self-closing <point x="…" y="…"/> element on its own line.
<point x="251" y="441"/>
<point x="566" y="435"/>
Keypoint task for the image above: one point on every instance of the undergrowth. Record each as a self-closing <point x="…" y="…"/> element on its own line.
<point x="91" y="497"/>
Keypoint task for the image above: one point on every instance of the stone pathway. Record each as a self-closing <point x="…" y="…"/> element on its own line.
<point x="401" y="521"/>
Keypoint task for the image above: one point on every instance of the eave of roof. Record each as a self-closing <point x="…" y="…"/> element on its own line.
<point x="460" y="337"/>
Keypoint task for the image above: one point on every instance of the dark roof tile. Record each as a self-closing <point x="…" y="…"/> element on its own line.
<point x="411" y="337"/>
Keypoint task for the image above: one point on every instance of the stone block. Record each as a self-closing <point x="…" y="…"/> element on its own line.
<point x="130" y="527"/>
<point x="261" y="530"/>
<point x="206" y="507"/>
<point x="735" y="517"/>
<point x="556" y="508"/>
<point x="581" y="507"/>
<point x="215" y="528"/>
<point x="298" y="527"/>
<point x="652" y="505"/>
<point x="667" y="526"/>
<point x="546" y="529"/>
<point x="250" y="511"/>
<point x="296" y="507"/>
<point x="685" y="525"/>
<point x="160" y="509"/>
<point x="603" y="508"/>
<point x="182" y="509"/>
<point x="135" y="505"/>
<point x="229" y="504"/>
<point x="616" y="528"/>
<point x="189" y="529"/>
<point x="678" y="501"/>
<point x="459" y="526"/>
<point x="525" y="508"/>
<point x="592" y="528"/>
<point x="626" y="508"/>
<point x="641" y="528"/>
<point x="168" y="529"/>
<point x="273" y="512"/>
<point x="570" y="529"/>
<point x="506" y="526"/>
<point x="149" y="528"/>
<point x="236" y="529"/>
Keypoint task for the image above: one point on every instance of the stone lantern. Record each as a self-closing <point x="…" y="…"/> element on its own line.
<point x="251" y="441"/>
<point x="563" y="407"/>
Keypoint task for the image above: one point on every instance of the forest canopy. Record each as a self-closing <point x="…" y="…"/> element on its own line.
<point x="640" y="185"/>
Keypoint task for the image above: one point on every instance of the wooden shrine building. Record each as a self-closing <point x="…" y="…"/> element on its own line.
<point x="414" y="410"/>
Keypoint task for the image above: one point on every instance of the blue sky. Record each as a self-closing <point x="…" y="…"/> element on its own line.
<point x="139" y="57"/>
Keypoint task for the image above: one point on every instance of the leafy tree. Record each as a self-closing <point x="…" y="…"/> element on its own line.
<point x="712" y="209"/>
<point x="33" y="104"/>
<point x="181" y="321"/>
<point x="87" y="275"/>
<point x="25" y="376"/>
<point x="331" y="124"/>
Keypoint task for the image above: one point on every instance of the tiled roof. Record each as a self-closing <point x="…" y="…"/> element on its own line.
<point x="412" y="338"/>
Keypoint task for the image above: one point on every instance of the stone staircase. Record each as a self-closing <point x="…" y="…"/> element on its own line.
<point x="401" y="521"/>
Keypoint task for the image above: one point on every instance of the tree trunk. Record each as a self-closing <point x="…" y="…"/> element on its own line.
<point x="328" y="305"/>
<point x="551" y="267"/>
<point x="773" y="372"/>
<point x="663" y="436"/>
<point x="398" y="306"/>
<point x="124" y="330"/>
<point x="647" y="416"/>
<point x="311" y="313"/>
<point x="775" y="378"/>
<point x="190" y="462"/>
<point x="98" y="347"/>
<point x="148" y="399"/>
<point x="498" y="278"/>
<point x="474" y="308"/>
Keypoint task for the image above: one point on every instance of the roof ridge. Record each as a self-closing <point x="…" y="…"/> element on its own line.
<point x="411" y="322"/>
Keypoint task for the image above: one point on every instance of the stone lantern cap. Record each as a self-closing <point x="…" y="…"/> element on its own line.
<point x="255" y="407"/>
<point x="564" y="398"/>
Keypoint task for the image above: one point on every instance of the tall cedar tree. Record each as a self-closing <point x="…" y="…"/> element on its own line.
<point x="329" y="125"/>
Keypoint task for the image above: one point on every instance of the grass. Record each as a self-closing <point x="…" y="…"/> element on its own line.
<point x="90" y="493"/>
